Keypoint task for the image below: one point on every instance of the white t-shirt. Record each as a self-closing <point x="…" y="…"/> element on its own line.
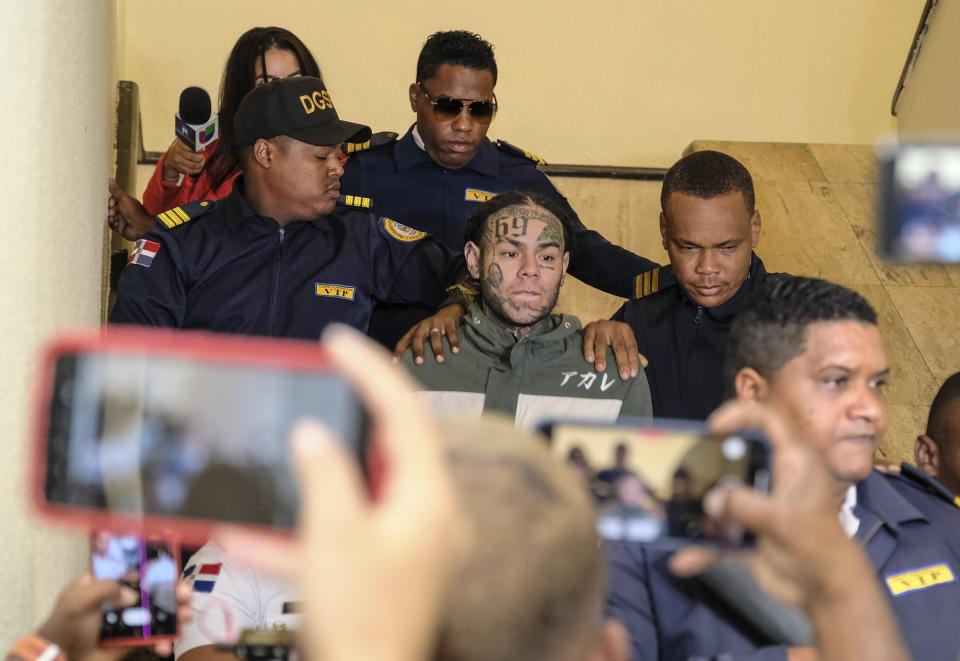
<point x="849" y="520"/>
<point x="230" y="596"/>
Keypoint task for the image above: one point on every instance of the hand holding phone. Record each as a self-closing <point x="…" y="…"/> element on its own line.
<point x="140" y="429"/>
<point x="649" y="479"/>
<point x="803" y="557"/>
<point x="149" y="569"/>
<point x="412" y="537"/>
<point x="75" y="622"/>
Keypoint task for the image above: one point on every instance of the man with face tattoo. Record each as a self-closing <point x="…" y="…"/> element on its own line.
<point x="515" y="356"/>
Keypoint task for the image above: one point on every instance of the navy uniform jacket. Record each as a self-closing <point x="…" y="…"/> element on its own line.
<point x="235" y="271"/>
<point x="686" y="345"/>
<point x="911" y="536"/>
<point x="400" y="180"/>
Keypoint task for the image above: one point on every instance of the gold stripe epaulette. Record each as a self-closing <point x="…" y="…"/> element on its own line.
<point x="179" y="215"/>
<point x="357" y="201"/>
<point x="352" y="147"/>
<point x="647" y="283"/>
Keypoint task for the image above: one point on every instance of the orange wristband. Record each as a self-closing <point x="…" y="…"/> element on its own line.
<point x="35" y="648"/>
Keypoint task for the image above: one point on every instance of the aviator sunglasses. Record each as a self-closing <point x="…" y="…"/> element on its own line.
<point x="446" y="109"/>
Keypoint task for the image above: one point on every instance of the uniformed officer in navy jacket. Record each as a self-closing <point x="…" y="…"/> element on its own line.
<point x="710" y="226"/>
<point x="812" y="351"/>
<point x="276" y="257"/>
<point x="435" y="176"/>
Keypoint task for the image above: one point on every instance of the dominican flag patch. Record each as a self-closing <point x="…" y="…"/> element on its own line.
<point x="204" y="577"/>
<point x="143" y="253"/>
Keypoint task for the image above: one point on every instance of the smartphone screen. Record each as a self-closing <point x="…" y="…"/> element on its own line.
<point x="648" y="483"/>
<point x="160" y="435"/>
<point x="919" y="213"/>
<point x="148" y="567"/>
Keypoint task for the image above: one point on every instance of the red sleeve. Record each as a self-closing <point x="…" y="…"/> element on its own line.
<point x="159" y="196"/>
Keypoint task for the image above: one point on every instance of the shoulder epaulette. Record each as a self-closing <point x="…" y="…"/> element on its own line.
<point x="180" y="215"/>
<point x="522" y="153"/>
<point x="376" y="140"/>
<point x="652" y="281"/>
<point x="355" y="201"/>
<point x="928" y="483"/>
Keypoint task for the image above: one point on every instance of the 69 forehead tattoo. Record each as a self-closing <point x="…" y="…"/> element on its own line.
<point x="514" y="222"/>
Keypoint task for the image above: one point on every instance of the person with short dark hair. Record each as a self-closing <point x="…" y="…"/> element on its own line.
<point x="810" y="350"/>
<point x="607" y="477"/>
<point x="456" y="47"/>
<point x="277" y="257"/>
<point x="937" y="451"/>
<point x="710" y="226"/>
<point x="708" y="174"/>
<point x="515" y="356"/>
<point x="434" y="177"/>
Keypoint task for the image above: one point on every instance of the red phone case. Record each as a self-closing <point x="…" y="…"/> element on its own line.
<point x="291" y="355"/>
<point x="134" y="641"/>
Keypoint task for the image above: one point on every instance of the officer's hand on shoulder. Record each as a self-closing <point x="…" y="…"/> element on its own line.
<point x="603" y="333"/>
<point x="125" y="215"/>
<point x="77" y="616"/>
<point x="443" y="323"/>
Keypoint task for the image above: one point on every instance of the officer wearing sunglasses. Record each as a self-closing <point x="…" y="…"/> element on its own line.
<point x="444" y="167"/>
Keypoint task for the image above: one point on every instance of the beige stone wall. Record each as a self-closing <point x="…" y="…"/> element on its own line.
<point x="605" y="82"/>
<point x="928" y="103"/>
<point x="55" y="125"/>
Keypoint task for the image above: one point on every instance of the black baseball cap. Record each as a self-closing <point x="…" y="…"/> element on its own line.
<point x="300" y="108"/>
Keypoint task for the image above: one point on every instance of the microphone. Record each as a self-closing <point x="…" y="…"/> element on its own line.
<point x="196" y="125"/>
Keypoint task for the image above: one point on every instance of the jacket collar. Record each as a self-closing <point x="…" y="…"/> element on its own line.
<point x="726" y="310"/>
<point x="407" y="154"/>
<point x="882" y="511"/>
<point x="236" y="205"/>
<point x="239" y="209"/>
<point x="875" y="496"/>
<point x="491" y="337"/>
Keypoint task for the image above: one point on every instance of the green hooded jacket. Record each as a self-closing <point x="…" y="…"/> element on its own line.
<point x="532" y="379"/>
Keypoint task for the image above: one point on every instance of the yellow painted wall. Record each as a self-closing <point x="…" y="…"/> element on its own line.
<point x="55" y="126"/>
<point x="928" y="104"/>
<point x="606" y="82"/>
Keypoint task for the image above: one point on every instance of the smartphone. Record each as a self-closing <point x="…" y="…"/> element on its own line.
<point x="180" y="431"/>
<point x="647" y="479"/>
<point x="919" y="203"/>
<point x="149" y="567"/>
